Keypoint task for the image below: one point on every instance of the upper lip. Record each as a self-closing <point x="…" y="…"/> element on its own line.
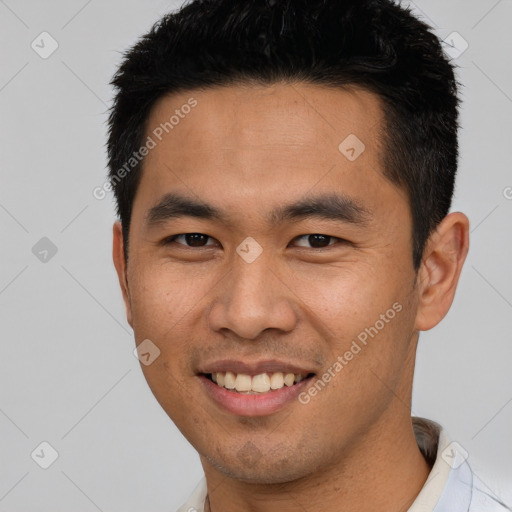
<point x="254" y="368"/>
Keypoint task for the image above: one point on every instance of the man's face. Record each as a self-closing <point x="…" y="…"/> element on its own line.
<point x="211" y="306"/>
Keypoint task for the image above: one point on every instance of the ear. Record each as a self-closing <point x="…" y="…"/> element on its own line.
<point x="438" y="275"/>
<point x="121" y="267"/>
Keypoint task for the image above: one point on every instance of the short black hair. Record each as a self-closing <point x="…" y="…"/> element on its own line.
<point x="376" y="45"/>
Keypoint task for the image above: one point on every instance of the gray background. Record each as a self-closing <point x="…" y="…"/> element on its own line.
<point x="68" y="374"/>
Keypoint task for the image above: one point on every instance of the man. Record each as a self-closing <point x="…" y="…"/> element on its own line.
<point x="283" y="172"/>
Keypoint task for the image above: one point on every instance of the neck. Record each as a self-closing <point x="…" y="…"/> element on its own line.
<point x="385" y="472"/>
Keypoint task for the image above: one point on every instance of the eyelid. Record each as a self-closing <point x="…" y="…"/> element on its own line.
<point x="335" y="239"/>
<point x="172" y="239"/>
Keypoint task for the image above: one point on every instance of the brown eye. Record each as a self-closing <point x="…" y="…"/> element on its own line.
<point x="196" y="239"/>
<point x="316" y="241"/>
<point x="191" y="239"/>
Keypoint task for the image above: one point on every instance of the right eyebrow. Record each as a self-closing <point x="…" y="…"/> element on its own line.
<point x="174" y="205"/>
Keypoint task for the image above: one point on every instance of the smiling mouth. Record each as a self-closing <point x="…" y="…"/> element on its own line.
<point x="256" y="384"/>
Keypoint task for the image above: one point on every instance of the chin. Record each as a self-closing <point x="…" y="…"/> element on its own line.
<point x="249" y="466"/>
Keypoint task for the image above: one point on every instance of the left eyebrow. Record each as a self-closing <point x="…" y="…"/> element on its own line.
<point x="326" y="206"/>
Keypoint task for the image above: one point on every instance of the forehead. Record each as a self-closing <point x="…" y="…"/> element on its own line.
<point x="256" y="116"/>
<point x="256" y="145"/>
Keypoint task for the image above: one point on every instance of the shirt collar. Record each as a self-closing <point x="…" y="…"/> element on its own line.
<point x="449" y="485"/>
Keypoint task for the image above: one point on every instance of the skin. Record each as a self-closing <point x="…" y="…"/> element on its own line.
<point x="247" y="149"/>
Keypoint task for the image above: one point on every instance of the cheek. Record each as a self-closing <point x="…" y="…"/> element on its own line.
<point x="167" y="309"/>
<point x="163" y="297"/>
<point x="365" y="317"/>
<point x="342" y="299"/>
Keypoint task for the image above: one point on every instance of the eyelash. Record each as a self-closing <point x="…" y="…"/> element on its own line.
<point x="173" y="238"/>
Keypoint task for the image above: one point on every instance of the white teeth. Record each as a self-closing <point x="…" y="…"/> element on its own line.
<point x="261" y="383"/>
<point x="229" y="380"/>
<point x="243" y="382"/>
<point x="277" y="380"/>
<point x="289" y="379"/>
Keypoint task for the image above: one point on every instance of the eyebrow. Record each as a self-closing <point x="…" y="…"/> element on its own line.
<point x="326" y="206"/>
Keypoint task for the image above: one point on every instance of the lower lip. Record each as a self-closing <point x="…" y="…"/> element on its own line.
<point x="253" y="405"/>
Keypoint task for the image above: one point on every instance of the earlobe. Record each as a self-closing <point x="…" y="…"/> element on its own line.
<point x="439" y="273"/>
<point x="121" y="267"/>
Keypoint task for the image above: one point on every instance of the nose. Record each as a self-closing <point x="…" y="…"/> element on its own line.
<point x="251" y="299"/>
